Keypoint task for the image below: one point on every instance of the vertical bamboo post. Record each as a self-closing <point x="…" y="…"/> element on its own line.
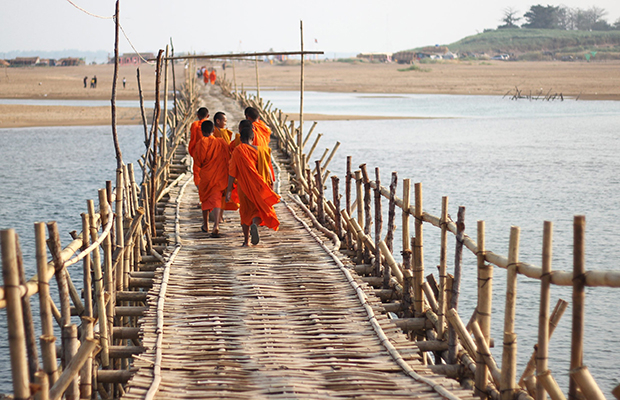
<point x="60" y="273"/>
<point x="407" y="254"/>
<point x="418" y="271"/>
<point x="389" y="237"/>
<point x="485" y="295"/>
<point x="453" y="339"/>
<point x="542" y="349"/>
<point x="579" y="298"/>
<point x="164" y="141"/>
<point x="378" y="226"/>
<point x="47" y="339"/>
<point x="257" y="82"/>
<point x="42" y="381"/>
<point x="14" y="316"/>
<point x="443" y="268"/>
<point x="108" y="275"/>
<point x="174" y="79"/>
<point x="234" y="76"/>
<point x="120" y="236"/>
<point x="71" y="345"/>
<point x="86" y="372"/>
<point x="367" y="212"/>
<point x="406" y="201"/>
<point x="359" y="200"/>
<point x="31" y="341"/>
<point x="336" y="197"/>
<point x="301" y="93"/>
<point x="310" y="191"/>
<point x="348" y="179"/>
<point x="320" y="200"/>
<point x="509" y="354"/>
<point x="117" y="147"/>
<point x="99" y="291"/>
<point x="87" y="279"/>
<point x="586" y="383"/>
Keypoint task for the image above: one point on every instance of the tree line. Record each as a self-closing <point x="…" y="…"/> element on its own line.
<point x="559" y="17"/>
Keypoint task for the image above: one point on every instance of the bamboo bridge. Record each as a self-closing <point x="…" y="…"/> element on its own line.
<point x="320" y="309"/>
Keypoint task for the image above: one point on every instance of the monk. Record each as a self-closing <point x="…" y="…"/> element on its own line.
<point x="249" y="166"/>
<point x="212" y="76"/>
<point x="262" y="133"/>
<point x="220" y="120"/>
<point x="237" y="141"/>
<point x="195" y="135"/>
<point x="212" y="156"/>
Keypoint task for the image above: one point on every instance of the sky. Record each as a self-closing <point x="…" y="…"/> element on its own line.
<point x="215" y="27"/>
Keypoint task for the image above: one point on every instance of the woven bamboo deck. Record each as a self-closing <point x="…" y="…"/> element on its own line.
<point x="277" y="320"/>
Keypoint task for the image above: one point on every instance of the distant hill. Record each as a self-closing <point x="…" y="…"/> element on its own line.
<point x="541" y="44"/>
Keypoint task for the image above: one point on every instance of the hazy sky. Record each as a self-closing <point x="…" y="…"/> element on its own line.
<point x="240" y="25"/>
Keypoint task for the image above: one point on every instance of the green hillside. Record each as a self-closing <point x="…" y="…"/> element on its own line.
<point x="541" y="44"/>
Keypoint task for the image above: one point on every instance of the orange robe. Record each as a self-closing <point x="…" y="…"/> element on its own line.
<point x="195" y="131"/>
<point x="222" y="133"/>
<point x="212" y="157"/>
<point x="212" y="76"/>
<point x="235" y="143"/>
<point x="262" y="133"/>
<point x="256" y="198"/>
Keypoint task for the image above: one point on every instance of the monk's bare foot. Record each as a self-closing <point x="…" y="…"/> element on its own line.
<point x="215" y="233"/>
<point x="205" y="230"/>
<point x="245" y="244"/>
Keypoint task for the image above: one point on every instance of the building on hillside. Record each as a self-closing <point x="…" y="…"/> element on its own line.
<point x="24" y="61"/>
<point x="132" y="58"/>
<point x="379" y="57"/>
<point x="405" y="57"/>
<point x="71" y="62"/>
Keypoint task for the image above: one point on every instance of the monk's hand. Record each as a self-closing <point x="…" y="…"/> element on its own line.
<point x="227" y="198"/>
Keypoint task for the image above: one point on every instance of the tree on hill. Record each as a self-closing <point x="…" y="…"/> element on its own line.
<point x="542" y="17"/>
<point x="510" y="19"/>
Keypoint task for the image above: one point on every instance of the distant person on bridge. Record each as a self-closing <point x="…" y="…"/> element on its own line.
<point x="262" y="133"/>
<point x="251" y="167"/>
<point x="213" y="76"/>
<point x="205" y="75"/>
<point x="195" y="135"/>
<point x="211" y="155"/>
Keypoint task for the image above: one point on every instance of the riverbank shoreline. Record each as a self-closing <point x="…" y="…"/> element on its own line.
<point x="585" y="81"/>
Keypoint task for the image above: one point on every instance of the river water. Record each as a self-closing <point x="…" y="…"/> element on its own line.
<point x="508" y="162"/>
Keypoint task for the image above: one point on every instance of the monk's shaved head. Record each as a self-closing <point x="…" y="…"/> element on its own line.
<point x="247" y="134"/>
<point x="244" y="123"/>
<point x="252" y="114"/>
<point x="202" y="113"/>
<point x="207" y="128"/>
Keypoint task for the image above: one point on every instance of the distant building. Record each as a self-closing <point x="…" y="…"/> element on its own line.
<point x="132" y="58"/>
<point x="380" y="57"/>
<point x="47" y="62"/>
<point x="25" y="61"/>
<point x="4" y="63"/>
<point x="71" y="62"/>
<point x="405" y="57"/>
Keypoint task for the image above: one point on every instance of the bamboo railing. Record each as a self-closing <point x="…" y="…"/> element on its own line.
<point x="428" y="310"/>
<point x="120" y="245"/>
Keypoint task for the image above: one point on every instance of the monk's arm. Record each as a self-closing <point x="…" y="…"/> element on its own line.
<point x="231" y="181"/>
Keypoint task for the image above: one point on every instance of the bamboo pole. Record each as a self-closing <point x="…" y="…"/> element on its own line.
<point x="461" y="331"/>
<point x="108" y="275"/>
<point x="359" y="199"/>
<point x="14" y="316"/>
<point x="509" y="359"/>
<point x="586" y="383"/>
<point x="87" y="278"/>
<point x="257" y="81"/>
<point x="485" y="353"/>
<point x="99" y="291"/>
<point x="551" y="386"/>
<point x="336" y="197"/>
<point x="120" y="236"/>
<point x="542" y="349"/>
<point x="301" y="94"/>
<point x="320" y="200"/>
<point x="47" y="339"/>
<point x="72" y="369"/>
<point x="314" y="124"/>
<point x="418" y="253"/>
<point x="391" y="226"/>
<point x="406" y="200"/>
<point x="61" y="273"/>
<point x="316" y="142"/>
<point x="453" y="339"/>
<point x="378" y="227"/>
<point x="86" y="372"/>
<point x="164" y="141"/>
<point x="485" y="298"/>
<point x="117" y="147"/>
<point x="579" y="299"/>
<point x="348" y="178"/>
<point x="331" y="155"/>
<point x="42" y="381"/>
<point x="174" y="80"/>
<point x="70" y="345"/>
<point x="234" y="76"/>
<point x="31" y="341"/>
<point x="367" y="208"/>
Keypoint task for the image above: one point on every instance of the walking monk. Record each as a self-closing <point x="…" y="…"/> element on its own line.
<point x="195" y="136"/>
<point x="262" y="133"/>
<point x="212" y="76"/>
<point x="212" y="156"/>
<point x="250" y="166"/>
<point x="220" y="120"/>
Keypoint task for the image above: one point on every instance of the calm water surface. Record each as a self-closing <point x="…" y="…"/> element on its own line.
<point x="509" y="163"/>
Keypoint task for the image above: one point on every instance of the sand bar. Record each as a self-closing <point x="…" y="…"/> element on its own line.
<point x="588" y="81"/>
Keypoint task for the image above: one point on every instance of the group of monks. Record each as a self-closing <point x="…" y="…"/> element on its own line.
<point x="207" y="76"/>
<point x="234" y="174"/>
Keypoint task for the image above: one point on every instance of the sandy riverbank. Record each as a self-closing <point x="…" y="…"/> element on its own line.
<point x="589" y="81"/>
